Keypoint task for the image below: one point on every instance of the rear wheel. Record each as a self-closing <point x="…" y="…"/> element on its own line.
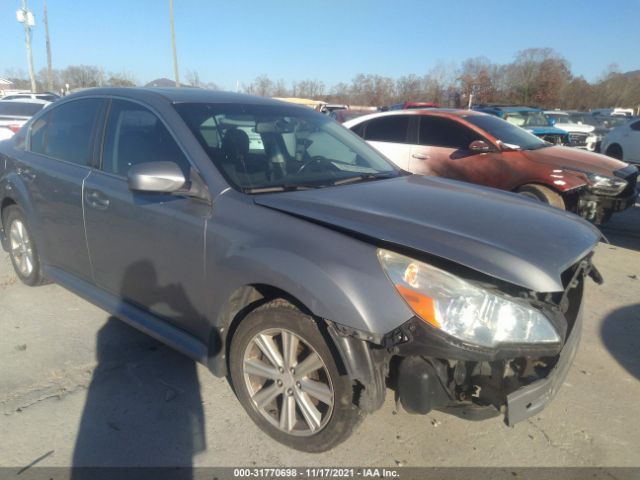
<point x="614" y="151"/>
<point x="22" y="249"/>
<point x="542" y="194"/>
<point x="286" y="378"/>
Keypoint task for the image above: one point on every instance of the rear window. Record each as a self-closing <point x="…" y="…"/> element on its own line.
<point x="394" y="128"/>
<point x="20" y="109"/>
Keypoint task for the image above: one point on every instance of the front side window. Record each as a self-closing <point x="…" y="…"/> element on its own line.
<point x="135" y="135"/>
<point x="635" y="126"/>
<point x="65" y="133"/>
<point x="273" y="148"/>
<point x="508" y="134"/>
<point x="526" y="118"/>
<point x="442" y="132"/>
<point x="394" y="129"/>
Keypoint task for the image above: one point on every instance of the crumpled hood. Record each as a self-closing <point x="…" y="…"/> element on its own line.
<point x="581" y="160"/>
<point x="497" y="233"/>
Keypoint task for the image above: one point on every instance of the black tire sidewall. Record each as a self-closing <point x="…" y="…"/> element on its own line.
<point x="12" y="213"/>
<point x="615" y="151"/>
<point x="345" y="414"/>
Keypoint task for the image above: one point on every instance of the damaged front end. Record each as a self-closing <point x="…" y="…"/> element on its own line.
<point x="433" y="371"/>
<point x="604" y="196"/>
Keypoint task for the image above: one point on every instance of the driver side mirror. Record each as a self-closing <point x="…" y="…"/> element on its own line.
<point x="156" y="177"/>
<point x="479" y="146"/>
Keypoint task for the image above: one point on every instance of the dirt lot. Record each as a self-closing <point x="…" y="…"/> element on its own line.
<point x="78" y="388"/>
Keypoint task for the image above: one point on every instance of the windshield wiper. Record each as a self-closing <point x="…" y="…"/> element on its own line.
<point x="281" y="188"/>
<point x="365" y="177"/>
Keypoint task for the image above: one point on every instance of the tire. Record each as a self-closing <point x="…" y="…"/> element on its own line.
<point x="22" y="249"/>
<point x="268" y="327"/>
<point x="542" y="194"/>
<point x="615" y="151"/>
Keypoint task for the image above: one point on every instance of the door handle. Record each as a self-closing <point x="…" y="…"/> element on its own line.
<point x="97" y="200"/>
<point x="421" y="156"/>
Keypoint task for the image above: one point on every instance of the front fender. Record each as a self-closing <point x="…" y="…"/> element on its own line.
<point x="333" y="275"/>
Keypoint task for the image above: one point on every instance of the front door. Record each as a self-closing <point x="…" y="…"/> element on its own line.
<point x="443" y="151"/>
<point x="148" y="249"/>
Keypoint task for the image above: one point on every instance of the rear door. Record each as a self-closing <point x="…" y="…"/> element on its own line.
<point x="631" y="148"/>
<point x="148" y="249"/>
<point x="54" y="166"/>
<point x="391" y="136"/>
<point x="445" y="143"/>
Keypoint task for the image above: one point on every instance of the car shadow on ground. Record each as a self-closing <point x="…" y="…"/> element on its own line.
<point x="143" y="405"/>
<point x="623" y="230"/>
<point x="621" y="336"/>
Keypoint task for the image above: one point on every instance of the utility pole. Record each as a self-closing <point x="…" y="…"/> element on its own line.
<point x="45" y="20"/>
<point x="25" y="17"/>
<point x="176" y="71"/>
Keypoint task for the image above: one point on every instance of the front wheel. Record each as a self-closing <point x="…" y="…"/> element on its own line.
<point x="542" y="194"/>
<point x="286" y="378"/>
<point x="22" y="249"/>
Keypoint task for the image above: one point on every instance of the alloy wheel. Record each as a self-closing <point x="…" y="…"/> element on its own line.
<point x="288" y="382"/>
<point x="20" y="247"/>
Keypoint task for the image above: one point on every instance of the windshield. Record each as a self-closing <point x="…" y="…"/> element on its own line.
<point x="558" y="117"/>
<point x="526" y="119"/>
<point x="262" y="148"/>
<point x="19" y="109"/>
<point x="507" y="133"/>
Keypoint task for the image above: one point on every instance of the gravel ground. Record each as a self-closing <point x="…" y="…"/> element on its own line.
<point x="79" y="388"/>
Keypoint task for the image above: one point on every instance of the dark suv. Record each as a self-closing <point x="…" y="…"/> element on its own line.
<point x="269" y="243"/>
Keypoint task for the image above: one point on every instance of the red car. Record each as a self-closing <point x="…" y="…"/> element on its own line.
<point x="484" y="149"/>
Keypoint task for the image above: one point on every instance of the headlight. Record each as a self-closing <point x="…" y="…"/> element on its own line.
<point x="467" y="312"/>
<point x="606" y="185"/>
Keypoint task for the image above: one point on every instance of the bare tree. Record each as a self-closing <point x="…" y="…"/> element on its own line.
<point x="308" y="89"/>
<point x="193" y="77"/>
<point x="262" y="86"/>
<point x="83" y="76"/>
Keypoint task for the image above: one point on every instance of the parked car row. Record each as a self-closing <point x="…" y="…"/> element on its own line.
<point x="488" y="150"/>
<point x="269" y="243"/>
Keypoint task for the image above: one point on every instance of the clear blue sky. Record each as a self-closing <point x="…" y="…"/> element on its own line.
<point x="329" y="40"/>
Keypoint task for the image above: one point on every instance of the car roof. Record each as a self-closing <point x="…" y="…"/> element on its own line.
<point x="433" y="112"/>
<point x="182" y="95"/>
<point x="505" y="108"/>
<point x="26" y="100"/>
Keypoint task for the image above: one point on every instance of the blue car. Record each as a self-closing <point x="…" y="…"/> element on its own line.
<point x="531" y="119"/>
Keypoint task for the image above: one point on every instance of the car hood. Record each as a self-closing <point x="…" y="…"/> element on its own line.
<point x="577" y="159"/>
<point x="575" y="127"/>
<point x="541" y="130"/>
<point x="500" y="234"/>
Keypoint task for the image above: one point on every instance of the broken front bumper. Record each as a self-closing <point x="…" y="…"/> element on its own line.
<point x="527" y="401"/>
<point x="434" y="374"/>
<point x="599" y="208"/>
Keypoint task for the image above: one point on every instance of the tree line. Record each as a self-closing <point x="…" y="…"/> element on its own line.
<point x="536" y="76"/>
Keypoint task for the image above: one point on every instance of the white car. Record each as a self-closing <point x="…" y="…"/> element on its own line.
<point x="49" y="97"/>
<point x="15" y="113"/>
<point x="623" y="142"/>
<point x="580" y="135"/>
